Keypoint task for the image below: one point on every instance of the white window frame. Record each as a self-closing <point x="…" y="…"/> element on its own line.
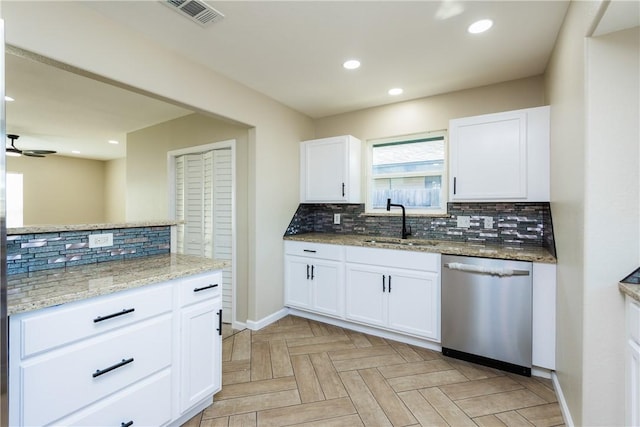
<point x="444" y="180"/>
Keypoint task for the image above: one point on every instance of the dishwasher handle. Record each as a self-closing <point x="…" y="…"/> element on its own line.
<point x="494" y="271"/>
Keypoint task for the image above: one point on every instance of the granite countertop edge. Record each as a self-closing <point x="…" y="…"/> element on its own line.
<point x="520" y="253"/>
<point x="630" y="289"/>
<point x="42" y="289"/>
<point x="56" y="228"/>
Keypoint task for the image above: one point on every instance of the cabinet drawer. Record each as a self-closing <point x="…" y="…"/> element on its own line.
<point x="314" y="250"/>
<point x="633" y="320"/>
<point x="200" y="288"/>
<point x="60" y="382"/>
<point x="58" y="326"/>
<point x="147" y="403"/>
<point x="394" y="258"/>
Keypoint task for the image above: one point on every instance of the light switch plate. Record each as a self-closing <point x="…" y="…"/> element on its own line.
<point x="464" y="221"/>
<point x="488" y="222"/>
<point x="100" y="240"/>
<point x="336" y="218"/>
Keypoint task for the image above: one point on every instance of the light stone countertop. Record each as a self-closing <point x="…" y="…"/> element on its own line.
<point x="523" y="253"/>
<point x="33" y="291"/>
<point x="55" y="228"/>
<point x="630" y="289"/>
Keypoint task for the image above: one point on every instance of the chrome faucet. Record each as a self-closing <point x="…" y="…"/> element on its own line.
<point x="405" y="233"/>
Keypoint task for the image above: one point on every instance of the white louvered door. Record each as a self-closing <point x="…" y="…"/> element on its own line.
<point x="204" y="201"/>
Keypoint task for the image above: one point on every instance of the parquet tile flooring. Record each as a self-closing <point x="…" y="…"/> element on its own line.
<point x="299" y="372"/>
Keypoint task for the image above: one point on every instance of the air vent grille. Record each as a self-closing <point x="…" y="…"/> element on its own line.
<point x="196" y="10"/>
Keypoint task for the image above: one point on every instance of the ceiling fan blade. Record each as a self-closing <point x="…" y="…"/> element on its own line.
<point x="39" y="151"/>
<point x="32" y="154"/>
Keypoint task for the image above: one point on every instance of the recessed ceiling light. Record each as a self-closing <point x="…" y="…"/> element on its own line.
<point x="113" y="141"/>
<point x="480" y="26"/>
<point x="395" y="91"/>
<point x="351" y="64"/>
<point x="8" y="98"/>
<point x="75" y="151"/>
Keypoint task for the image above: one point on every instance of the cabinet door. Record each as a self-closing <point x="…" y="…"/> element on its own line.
<point x="489" y="157"/>
<point x="201" y="352"/>
<point x="324" y="166"/>
<point x="366" y="294"/>
<point x="327" y="283"/>
<point x="297" y="272"/>
<point x="633" y="384"/>
<point x="414" y="303"/>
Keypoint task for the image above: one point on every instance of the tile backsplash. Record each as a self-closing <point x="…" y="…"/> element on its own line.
<point x="43" y="251"/>
<point x="513" y="224"/>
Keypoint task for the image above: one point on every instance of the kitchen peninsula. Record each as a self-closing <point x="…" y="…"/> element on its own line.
<point x="131" y="329"/>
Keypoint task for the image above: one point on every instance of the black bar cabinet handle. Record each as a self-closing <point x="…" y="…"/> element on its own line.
<point x="307" y="271"/>
<point x="129" y="424"/>
<point x="204" y="288"/>
<point x="309" y="250"/>
<point x="389" y="283"/>
<point x="343" y="189"/>
<point x="312" y="272"/>
<point x="111" y="316"/>
<point x="99" y="372"/>
<point x="454" y="185"/>
<point x="219" y="322"/>
<point x="383" y="284"/>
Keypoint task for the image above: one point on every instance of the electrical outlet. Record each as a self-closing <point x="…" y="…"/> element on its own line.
<point x="464" y="221"/>
<point x="488" y="222"/>
<point x="336" y="219"/>
<point x="100" y="240"/>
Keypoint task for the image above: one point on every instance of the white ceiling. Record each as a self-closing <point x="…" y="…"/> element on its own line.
<point x="293" y="52"/>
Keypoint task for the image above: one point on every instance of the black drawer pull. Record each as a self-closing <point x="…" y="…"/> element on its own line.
<point x="309" y="250"/>
<point x="204" y="288"/>
<point x="99" y="372"/>
<point x="389" y="283"/>
<point x="129" y="424"/>
<point x="111" y="316"/>
<point x="219" y="322"/>
<point x="383" y="283"/>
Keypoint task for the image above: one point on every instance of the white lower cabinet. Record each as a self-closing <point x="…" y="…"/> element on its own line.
<point x="402" y="300"/>
<point x="315" y="280"/>
<point x="201" y="350"/>
<point x="114" y="362"/>
<point x="632" y="417"/>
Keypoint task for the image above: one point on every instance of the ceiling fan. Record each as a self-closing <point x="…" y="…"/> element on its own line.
<point x="13" y="151"/>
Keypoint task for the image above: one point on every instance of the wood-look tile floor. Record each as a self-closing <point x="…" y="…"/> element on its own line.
<point x="306" y="373"/>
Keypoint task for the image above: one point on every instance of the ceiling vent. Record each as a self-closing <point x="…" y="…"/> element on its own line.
<point x="196" y="10"/>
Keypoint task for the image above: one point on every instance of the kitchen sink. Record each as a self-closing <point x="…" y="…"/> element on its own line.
<point x="399" y="242"/>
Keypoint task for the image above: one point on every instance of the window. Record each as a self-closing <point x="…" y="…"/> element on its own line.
<point x="14" y="199"/>
<point x="409" y="170"/>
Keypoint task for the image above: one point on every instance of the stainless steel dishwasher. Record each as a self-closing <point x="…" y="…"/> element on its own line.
<point x="486" y="312"/>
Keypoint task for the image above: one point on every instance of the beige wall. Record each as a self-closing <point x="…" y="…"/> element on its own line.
<point x="115" y="187"/>
<point x="61" y="190"/>
<point x="93" y="43"/>
<point x="147" y="185"/>
<point x="433" y="113"/>
<point x="592" y="87"/>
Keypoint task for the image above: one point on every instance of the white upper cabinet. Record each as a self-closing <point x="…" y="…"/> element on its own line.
<point x="330" y="170"/>
<point x="500" y="157"/>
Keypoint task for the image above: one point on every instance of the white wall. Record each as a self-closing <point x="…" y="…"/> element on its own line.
<point x="434" y="112"/>
<point x="71" y="33"/>
<point x="612" y="217"/>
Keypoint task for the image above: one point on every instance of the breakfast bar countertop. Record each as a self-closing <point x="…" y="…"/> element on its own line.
<point x="47" y="288"/>
<point x="518" y="253"/>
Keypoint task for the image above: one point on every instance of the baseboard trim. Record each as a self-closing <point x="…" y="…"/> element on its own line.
<point x="238" y="325"/>
<point x="566" y="414"/>
<point x="431" y="345"/>
<point x="255" y="325"/>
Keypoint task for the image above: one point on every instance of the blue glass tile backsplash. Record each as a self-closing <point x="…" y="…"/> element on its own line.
<point x="33" y="252"/>
<point x="514" y="224"/>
